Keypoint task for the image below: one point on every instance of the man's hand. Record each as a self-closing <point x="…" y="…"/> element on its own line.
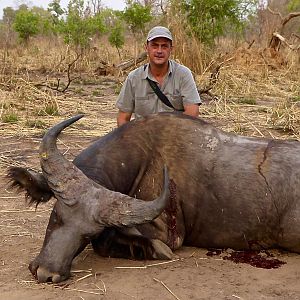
<point x="123" y="117"/>
<point x="191" y="110"/>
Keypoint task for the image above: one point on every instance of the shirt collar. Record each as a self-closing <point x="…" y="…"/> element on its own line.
<point x="147" y="73"/>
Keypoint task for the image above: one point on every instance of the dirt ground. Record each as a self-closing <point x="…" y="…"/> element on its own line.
<point x="194" y="275"/>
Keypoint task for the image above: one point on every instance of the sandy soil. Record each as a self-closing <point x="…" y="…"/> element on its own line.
<point x="193" y="276"/>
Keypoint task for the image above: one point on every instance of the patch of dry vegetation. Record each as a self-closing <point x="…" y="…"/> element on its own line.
<point x="251" y="93"/>
<point x="30" y="101"/>
<point x="254" y="98"/>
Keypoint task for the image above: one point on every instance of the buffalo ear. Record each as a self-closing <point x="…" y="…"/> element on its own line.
<point x="122" y="210"/>
<point x="34" y="183"/>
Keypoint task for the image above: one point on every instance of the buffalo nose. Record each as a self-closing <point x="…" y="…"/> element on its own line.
<point x="44" y="275"/>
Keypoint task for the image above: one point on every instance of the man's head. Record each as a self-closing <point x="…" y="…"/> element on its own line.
<point x="159" y="45"/>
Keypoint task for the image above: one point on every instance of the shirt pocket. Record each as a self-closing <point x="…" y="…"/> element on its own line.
<point x="143" y="106"/>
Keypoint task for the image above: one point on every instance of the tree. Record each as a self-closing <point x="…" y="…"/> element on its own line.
<point x="293" y="6"/>
<point x="96" y="6"/>
<point x="45" y="25"/>
<point x="116" y="37"/>
<point x="277" y="37"/>
<point x="9" y="15"/>
<point x="6" y="27"/>
<point x="209" y="19"/>
<point x="56" y="11"/>
<point x="26" y="24"/>
<point x="79" y="27"/>
<point x="137" y="16"/>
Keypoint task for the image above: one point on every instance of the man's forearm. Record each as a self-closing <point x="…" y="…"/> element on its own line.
<point x="120" y="122"/>
<point x="123" y="117"/>
<point x="191" y="110"/>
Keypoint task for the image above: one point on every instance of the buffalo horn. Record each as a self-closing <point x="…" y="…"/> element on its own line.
<point x="70" y="185"/>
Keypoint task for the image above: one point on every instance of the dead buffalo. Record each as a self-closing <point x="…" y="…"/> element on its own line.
<point x="224" y="191"/>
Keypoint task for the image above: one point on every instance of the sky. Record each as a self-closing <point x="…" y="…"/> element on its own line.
<point x="114" y="4"/>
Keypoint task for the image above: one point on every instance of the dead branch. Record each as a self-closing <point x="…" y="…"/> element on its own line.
<point x="57" y="87"/>
<point x="62" y="58"/>
<point x="212" y="81"/>
<point x="277" y="13"/>
<point x="78" y="55"/>
<point x="128" y="64"/>
<point x="214" y="76"/>
<point x="290" y="16"/>
<point x="266" y="61"/>
<point x="250" y="44"/>
<point x="296" y="35"/>
<point x="277" y="37"/>
<point x="164" y="12"/>
<point x="285" y="19"/>
<point x="282" y="39"/>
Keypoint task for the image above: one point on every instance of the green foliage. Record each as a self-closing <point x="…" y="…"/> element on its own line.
<point x="10" y="117"/>
<point x="50" y="109"/>
<point x="79" y="90"/>
<point x="110" y="16"/>
<point x="56" y="11"/>
<point x="56" y="23"/>
<point x="250" y="101"/>
<point x="26" y="24"/>
<point x="116" y="37"/>
<point x="117" y="88"/>
<point x="137" y="16"/>
<point x="80" y="27"/>
<point x="209" y="19"/>
<point x="45" y="20"/>
<point x="23" y="7"/>
<point x="35" y="124"/>
<point x="296" y="99"/>
<point x="97" y="23"/>
<point x="294" y="5"/>
<point x="98" y="92"/>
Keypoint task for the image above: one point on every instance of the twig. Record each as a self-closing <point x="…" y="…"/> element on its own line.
<point x="83" y="291"/>
<point x="81" y="271"/>
<point x="84" y="277"/>
<point x="151" y="265"/>
<point x="139" y="267"/>
<point x="164" y="262"/>
<point x="166" y="287"/>
<point x="23" y="211"/>
<point x="56" y="88"/>
<point x="235" y="296"/>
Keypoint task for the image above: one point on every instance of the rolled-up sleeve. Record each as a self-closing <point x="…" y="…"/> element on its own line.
<point x="189" y="90"/>
<point x="125" y="101"/>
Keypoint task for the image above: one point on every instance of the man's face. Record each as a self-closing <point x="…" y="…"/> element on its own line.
<point x="159" y="50"/>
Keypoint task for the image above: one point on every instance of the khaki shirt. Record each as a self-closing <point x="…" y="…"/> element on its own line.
<point x="137" y="96"/>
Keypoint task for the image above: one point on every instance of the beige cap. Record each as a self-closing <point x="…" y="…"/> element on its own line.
<point x="159" y="31"/>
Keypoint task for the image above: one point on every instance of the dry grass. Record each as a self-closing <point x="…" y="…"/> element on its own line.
<point x="253" y="94"/>
<point x="187" y="50"/>
<point x="253" y="98"/>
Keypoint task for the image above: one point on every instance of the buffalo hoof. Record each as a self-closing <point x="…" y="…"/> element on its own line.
<point x="161" y="250"/>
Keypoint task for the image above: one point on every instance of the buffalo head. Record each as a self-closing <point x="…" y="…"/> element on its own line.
<point x="82" y="211"/>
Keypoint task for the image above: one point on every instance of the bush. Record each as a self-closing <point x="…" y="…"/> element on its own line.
<point x="79" y="28"/>
<point x="26" y="24"/>
<point x="116" y="37"/>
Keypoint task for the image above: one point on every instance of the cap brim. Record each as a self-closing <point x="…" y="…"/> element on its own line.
<point x="159" y="36"/>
